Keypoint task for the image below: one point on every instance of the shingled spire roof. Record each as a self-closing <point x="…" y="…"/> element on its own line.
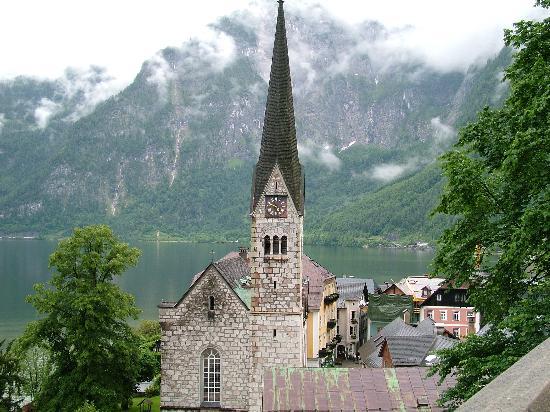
<point x="279" y="134"/>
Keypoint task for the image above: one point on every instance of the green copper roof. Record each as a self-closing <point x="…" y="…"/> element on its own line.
<point x="279" y="134"/>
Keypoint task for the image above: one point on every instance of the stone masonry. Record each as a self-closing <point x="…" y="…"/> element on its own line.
<point x="189" y="328"/>
<point x="277" y="327"/>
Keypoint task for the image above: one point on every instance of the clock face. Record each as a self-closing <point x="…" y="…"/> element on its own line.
<point x="275" y="206"/>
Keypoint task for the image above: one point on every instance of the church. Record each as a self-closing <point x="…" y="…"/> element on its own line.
<point x="246" y="313"/>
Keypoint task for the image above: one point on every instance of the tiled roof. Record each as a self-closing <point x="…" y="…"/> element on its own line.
<point x="409" y="350"/>
<point x="279" y="145"/>
<point x="413" y="285"/>
<point x="398" y="327"/>
<point x="236" y="270"/>
<point x="443" y="342"/>
<point x="352" y="288"/>
<point x="427" y="327"/>
<point x="316" y="275"/>
<point x="357" y="389"/>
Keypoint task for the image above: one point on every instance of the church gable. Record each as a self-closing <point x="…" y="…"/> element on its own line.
<point x="275" y="186"/>
<point x="209" y="319"/>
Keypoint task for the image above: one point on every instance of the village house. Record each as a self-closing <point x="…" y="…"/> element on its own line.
<point x="419" y="288"/>
<point x="352" y="301"/>
<point x="448" y="308"/>
<point x="399" y="344"/>
<point x="322" y="298"/>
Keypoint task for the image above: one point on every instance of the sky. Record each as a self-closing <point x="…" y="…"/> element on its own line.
<point x="42" y="38"/>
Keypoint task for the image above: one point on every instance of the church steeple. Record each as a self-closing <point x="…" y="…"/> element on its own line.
<point x="279" y="144"/>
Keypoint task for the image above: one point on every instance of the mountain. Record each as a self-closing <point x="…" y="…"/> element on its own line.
<point x="173" y="152"/>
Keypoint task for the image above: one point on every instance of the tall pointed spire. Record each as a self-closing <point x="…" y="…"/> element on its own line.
<point x="279" y="144"/>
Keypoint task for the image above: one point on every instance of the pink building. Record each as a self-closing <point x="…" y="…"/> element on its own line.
<point x="448" y="308"/>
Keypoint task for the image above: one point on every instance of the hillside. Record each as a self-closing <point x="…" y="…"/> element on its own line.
<point x="173" y="152"/>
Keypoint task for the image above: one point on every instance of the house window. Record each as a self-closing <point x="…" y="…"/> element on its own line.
<point x="352" y="314"/>
<point x="275" y="245"/>
<point x="471" y="314"/>
<point x="439" y="297"/>
<point x="456" y="332"/>
<point x="211" y="303"/>
<point x="443" y="314"/>
<point x="430" y="314"/>
<point x="351" y="330"/>
<point x="274" y="333"/>
<point x="267" y="245"/>
<point x="274" y="284"/>
<point x="211" y="375"/>
<point x="424" y="292"/>
<point x="456" y="315"/>
<point x="283" y="245"/>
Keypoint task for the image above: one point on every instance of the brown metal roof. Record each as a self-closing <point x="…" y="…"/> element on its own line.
<point x="341" y="389"/>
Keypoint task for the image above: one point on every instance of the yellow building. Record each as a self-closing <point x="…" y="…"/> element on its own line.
<point x="322" y="297"/>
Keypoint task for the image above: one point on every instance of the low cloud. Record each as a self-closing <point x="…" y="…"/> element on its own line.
<point x="45" y="111"/>
<point x="161" y="75"/>
<point x="500" y="89"/>
<point x="86" y="88"/>
<point x="442" y="132"/>
<point x="322" y="155"/>
<point x="386" y="172"/>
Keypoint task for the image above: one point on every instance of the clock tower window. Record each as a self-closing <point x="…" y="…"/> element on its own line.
<point x="267" y="245"/>
<point x="275" y="245"/>
<point x="283" y="245"/>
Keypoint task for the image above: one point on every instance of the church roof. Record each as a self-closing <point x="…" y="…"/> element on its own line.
<point x="279" y="145"/>
<point x="354" y="389"/>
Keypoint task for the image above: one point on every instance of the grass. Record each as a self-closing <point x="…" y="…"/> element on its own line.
<point x="136" y="401"/>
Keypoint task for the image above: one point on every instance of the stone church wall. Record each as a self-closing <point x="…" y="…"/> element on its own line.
<point x="189" y="329"/>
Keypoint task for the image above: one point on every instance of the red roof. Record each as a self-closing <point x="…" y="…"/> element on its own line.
<point x="361" y="389"/>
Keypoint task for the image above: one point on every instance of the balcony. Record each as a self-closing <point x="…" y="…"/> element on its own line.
<point x="337" y="338"/>
<point x="353" y="337"/>
<point x="333" y="297"/>
<point x="331" y="324"/>
<point x="354" y="321"/>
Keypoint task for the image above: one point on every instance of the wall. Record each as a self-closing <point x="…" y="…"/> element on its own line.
<point x="450" y="324"/>
<point x="277" y="308"/>
<point x="187" y="330"/>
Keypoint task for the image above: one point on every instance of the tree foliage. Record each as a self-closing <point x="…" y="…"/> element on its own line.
<point x="93" y="350"/>
<point x="499" y="186"/>
<point x="10" y="379"/>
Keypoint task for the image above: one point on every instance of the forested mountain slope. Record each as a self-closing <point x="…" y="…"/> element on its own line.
<point x="173" y="152"/>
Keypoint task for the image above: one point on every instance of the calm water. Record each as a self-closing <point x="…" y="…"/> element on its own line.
<point x="166" y="269"/>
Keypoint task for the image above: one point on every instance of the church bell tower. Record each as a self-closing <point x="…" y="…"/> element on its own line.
<point x="277" y="212"/>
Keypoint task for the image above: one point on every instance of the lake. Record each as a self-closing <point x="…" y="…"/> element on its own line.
<point x="165" y="271"/>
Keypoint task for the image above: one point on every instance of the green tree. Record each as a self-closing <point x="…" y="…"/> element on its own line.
<point x="499" y="187"/>
<point x="36" y="366"/>
<point x="93" y="349"/>
<point x="10" y="379"/>
<point x="148" y="332"/>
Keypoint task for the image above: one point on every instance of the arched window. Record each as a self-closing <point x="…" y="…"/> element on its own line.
<point x="283" y="245"/>
<point x="275" y="245"/>
<point x="211" y="375"/>
<point x="267" y="245"/>
<point x="211" y="303"/>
